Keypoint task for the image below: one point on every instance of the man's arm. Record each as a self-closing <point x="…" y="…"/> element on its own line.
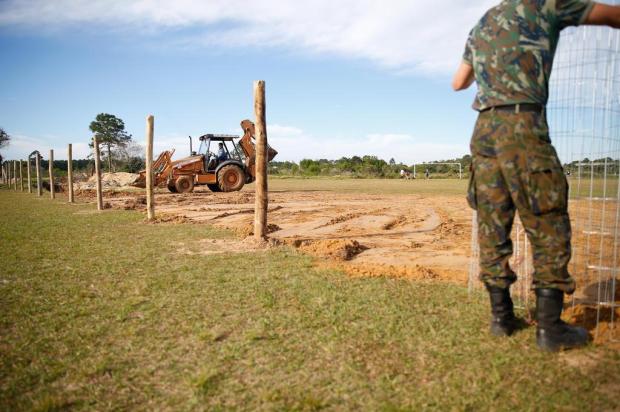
<point x="604" y="15"/>
<point x="464" y="77"/>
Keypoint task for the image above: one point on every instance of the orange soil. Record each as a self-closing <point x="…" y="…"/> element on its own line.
<point x="413" y="236"/>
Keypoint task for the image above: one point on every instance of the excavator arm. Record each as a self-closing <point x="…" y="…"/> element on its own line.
<point x="161" y="170"/>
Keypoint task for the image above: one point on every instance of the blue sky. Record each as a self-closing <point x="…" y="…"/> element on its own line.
<point x="349" y="79"/>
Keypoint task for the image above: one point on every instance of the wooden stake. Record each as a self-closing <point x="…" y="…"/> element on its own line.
<point x="21" y="176"/>
<point x="38" y="167"/>
<point x="150" y="200"/>
<point x="98" y="173"/>
<point x="51" y="173"/>
<point x="28" y="175"/>
<point x="261" y="200"/>
<point x="15" y="175"/>
<point x="70" y="172"/>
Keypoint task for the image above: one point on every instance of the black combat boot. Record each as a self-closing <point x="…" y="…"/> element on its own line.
<point x="552" y="333"/>
<point x="503" y="320"/>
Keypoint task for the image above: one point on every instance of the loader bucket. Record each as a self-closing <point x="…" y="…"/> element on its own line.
<point x="140" y="180"/>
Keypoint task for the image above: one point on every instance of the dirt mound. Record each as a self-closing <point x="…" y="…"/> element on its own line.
<point x="109" y="181"/>
<point x="417" y="272"/>
<point x="248" y="230"/>
<point x="135" y="203"/>
<point x="338" y="249"/>
<point x="586" y="315"/>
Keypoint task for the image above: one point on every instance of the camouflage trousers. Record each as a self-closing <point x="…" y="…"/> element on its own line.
<point x="515" y="168"/>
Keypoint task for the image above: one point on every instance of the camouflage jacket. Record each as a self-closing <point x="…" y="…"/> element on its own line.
<point x="511" y="49"/>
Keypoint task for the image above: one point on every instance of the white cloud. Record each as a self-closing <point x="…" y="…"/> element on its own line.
<point x="20" y="146"/>
<point x="294" y="144"/>
<point x="402" y="35"/>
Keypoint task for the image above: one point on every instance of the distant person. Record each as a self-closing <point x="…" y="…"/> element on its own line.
<point x="509" y="54"/>
<point x="221" y="153"/>
<point x="427" y="174"/>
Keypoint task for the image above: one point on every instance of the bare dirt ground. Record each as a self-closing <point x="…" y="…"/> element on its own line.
<point x="404" y="235"/>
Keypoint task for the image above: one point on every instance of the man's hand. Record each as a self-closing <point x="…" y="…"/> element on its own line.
<point x="463" y="78"/>
<point x="604" y="15"/>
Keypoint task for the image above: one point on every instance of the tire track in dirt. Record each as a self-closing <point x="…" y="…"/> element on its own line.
<point x="417" y="236"/>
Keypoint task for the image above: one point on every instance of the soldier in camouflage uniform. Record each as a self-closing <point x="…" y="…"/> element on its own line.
<point x="509" y="54"/>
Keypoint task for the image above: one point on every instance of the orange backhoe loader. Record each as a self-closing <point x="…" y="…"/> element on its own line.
<point x="226" y="170"/>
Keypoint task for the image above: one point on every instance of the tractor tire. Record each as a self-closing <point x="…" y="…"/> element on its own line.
<point x="184" y="184"/>
<point x="171" y="187"/>
<point x="230" y="178"/>
<point x="214" y="187"/>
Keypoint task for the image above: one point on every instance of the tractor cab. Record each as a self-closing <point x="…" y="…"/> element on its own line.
<point x="219" y="148"/>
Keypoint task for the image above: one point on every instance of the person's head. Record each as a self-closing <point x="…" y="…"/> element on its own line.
<point x="221" y="145"/>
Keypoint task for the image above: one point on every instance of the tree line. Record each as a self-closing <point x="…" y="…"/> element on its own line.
<point x="367" y="167"/>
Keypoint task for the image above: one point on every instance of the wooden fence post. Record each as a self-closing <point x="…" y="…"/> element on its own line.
<point x="14" y="174"/>
<point x="150" y="200"/>
<point x="98" y="173"/>
<point x="38" y="167"/>
<point x="51" y="173"/>
<point x="261" y="200"/>
<point x="70" y="172"/>
<point x="28" y="175"/>
<point x="21" y="176"/>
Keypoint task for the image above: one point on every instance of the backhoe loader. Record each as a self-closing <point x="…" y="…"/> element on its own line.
<point x="227" y="171"/>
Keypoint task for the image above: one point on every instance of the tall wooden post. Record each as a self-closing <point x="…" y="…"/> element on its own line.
<point x="51" y="173"/>
<point x="21" y="176"/>
<point x="70" y="172"/>
<point x="37" y="163"/>
<point x="98" y="173"/>
<point x="150" y="200"/>
<point x="260" y="205"/>
<point x="28" y="175"/>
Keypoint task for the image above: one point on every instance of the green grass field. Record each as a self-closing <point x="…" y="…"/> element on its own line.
<point x="101" y="311"/>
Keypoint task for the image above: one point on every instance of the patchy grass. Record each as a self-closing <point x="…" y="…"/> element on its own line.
<point x="100" y="312"/>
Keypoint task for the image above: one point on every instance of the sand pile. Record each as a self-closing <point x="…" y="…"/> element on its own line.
<point x="417" y="272"/>
<point x="109" y="181"/>
<point x="248" y="230"/>
<point x="339" y="249"/>
<point x="586" y="316"/>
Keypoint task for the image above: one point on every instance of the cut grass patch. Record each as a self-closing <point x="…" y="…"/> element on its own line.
<point x="103" y="312"/>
